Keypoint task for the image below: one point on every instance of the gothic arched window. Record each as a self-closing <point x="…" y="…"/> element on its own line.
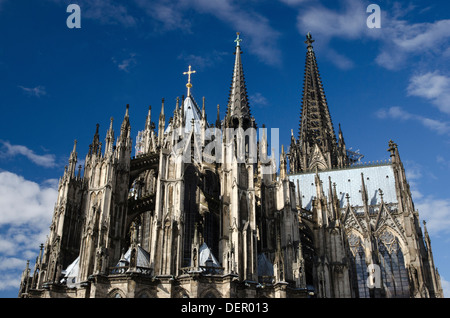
<point x="358" y="266"/>
<point x="190" y="212"/>
<point x="243" y="177"/>
<point x="392" y="263"/>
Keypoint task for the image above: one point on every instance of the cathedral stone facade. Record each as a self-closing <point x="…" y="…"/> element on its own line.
<point x="202" y="211"/>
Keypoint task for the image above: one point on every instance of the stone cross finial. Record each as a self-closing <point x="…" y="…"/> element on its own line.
<point x="238" y="40"/>
<point x="309" y="39"/>
<point x="381" y="193"/>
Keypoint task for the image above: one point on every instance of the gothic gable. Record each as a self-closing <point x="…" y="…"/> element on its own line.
<point x="317" y="160"/>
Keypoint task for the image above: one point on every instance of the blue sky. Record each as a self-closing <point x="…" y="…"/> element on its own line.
<point x="58" y="83"/>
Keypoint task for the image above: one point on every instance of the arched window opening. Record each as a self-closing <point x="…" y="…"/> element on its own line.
<point x="358" y="266"/>
<point x="190" y="212"/>
<point x="392" y="263"/>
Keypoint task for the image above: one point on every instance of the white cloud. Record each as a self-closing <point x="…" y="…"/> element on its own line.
<point x="403" y="40"/>
<point x="340" y="60"/>
<point x="26" y="209"/>
<point x="349" y="23"/>
<point x="258" y="100"/>
<point x="436" y="212"/>
<point x="262" y="38"/>
<point x="423" y="36"/>
<point x="127" y="63"/>
<point x="10" y="280"/>
<point x="399" y="38"/>
<point x="170" y="14"/>
<point x="395" y="112"/>
<point x="443" y="161"/>
<point x="103" y="11"/>
<point x="294" y="2"/>
<point x="413" y="174"/>
<point x="47" y="161"/>
<point x="203" y="61"/>
<point x="390" y="59"/>
<point x="432" y="86"/>
<point x="23" y="201"/>
<point x="10" y="262"/>
<point x="445" y="287"/>
<point x="37" y="91"/>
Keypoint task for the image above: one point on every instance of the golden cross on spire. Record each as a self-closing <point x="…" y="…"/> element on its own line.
<point x="189" y="85"/>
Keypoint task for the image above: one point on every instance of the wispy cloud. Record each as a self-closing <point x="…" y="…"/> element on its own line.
<point x="103" y="11"/>
<point x="262" y="37"/>
<point x="434" y="210"/>
<point x="445" y="287"/>
<point x="203" y="61"/>
<point x="395" y="112"/>
<point x="37" y="91"/>
<point x="340" y="60"/>
<point x="9" y="151"/>
<point x="253" y="26"/>
<point x="349" y="22"/>
<point x="258" y="100"/>
<point x="294" y="2"/>
<point x="399" y="38"/>
<point x="168" y="14"/>
<point x="443" y="161"/>
<point x="127" y="63"/>
<point x="432" y="86"/>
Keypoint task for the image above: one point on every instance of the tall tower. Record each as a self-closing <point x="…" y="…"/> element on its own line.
<point x="63" y="243"/>
<point x="238" y="242"/>
<point x="317" y="146"/>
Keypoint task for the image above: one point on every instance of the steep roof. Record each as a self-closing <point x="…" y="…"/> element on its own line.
<point x="143" y="258"/>
<point x="205" y="255"/>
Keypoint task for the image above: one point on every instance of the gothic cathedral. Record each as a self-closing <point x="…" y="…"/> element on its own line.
<point x="202" y="211"/>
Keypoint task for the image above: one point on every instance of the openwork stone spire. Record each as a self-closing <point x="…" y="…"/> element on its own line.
<point x="316" y="127"/>
<point x="238" y="110"/>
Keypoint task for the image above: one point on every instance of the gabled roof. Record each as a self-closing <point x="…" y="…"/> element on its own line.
<point x="191" y="112"/>
<point x="205" y="255"/>
<point x="143" y="258"/>
<point x="71" y="273"/>
<point x="265" y="267"/>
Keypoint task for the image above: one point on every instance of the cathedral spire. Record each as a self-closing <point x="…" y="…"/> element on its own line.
<point x="93" y="148"/>
<point x="218" y="124"/>
<point x="126" y="121"/>
<point x="238" y="110"/>
<point x="110" y="137"/>
<point x="161" y="124"/>
<point x="124" y="140"/>
<point x="316" y="127"/>
<point x="148" y="122"/>
<point x="73" y="159"/>
<point x="203" y="108"/>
